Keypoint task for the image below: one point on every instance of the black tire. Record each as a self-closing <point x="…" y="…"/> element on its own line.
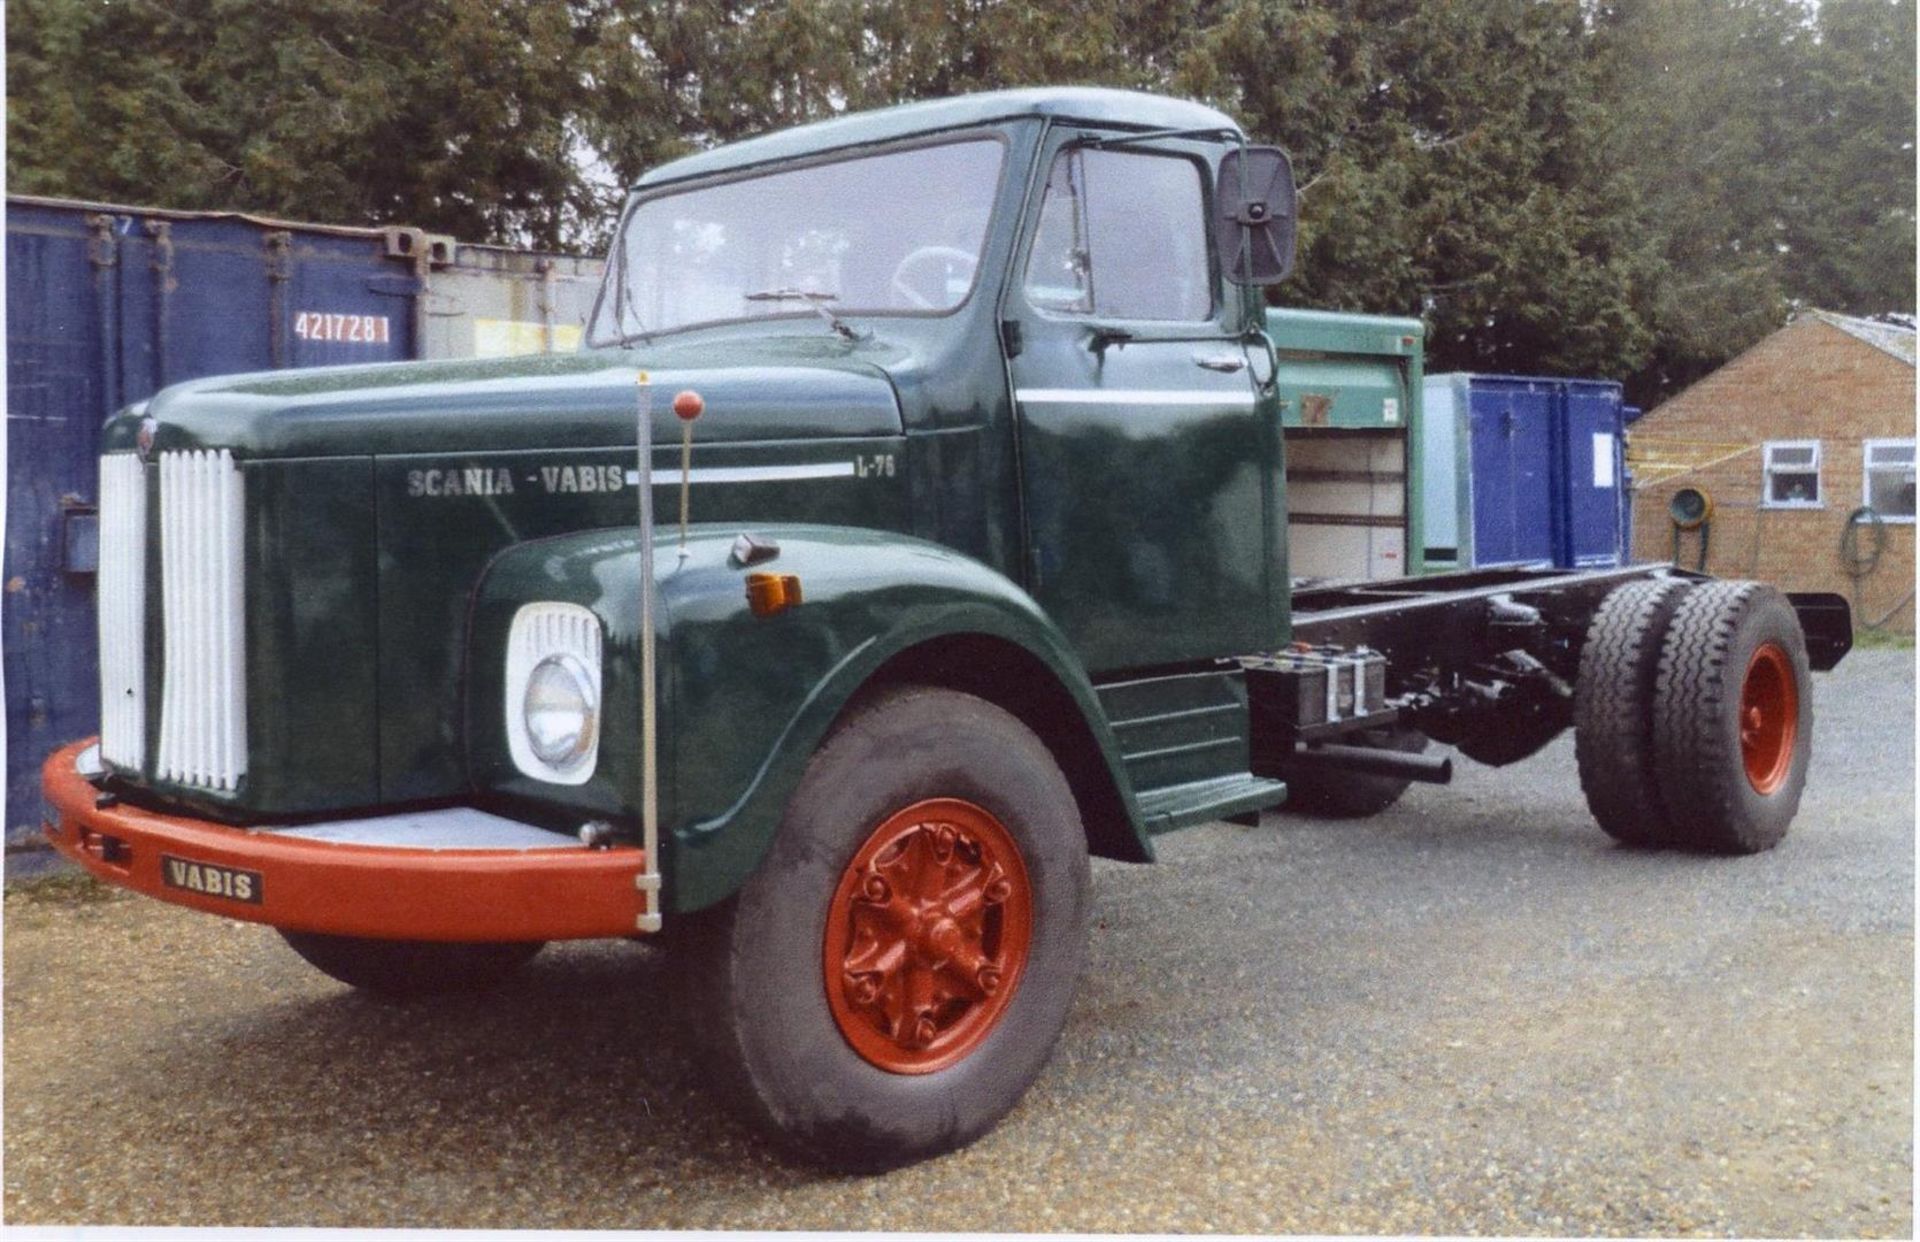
<point x="1325" y="793"/>
<point x="1723" y="636"/>
<point x="754" y="968"/>
<point x="1613" y="712"/>
<point x="405" y="968"/>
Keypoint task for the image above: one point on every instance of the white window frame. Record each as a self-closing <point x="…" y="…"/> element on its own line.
<point x="1767" y="501"/>
<point x="1866" y="474"/>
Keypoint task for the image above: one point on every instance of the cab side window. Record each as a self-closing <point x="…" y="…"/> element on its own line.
<point x="1122" y="234"/>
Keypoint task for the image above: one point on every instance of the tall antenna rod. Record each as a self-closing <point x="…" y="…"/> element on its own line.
<point x="648" y="881"/>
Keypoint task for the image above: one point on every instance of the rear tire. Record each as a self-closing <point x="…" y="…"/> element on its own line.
<point x="406" y="968"/>
<point x="1329" y="794"/>
<point x="1733" y="717"/>
<point x="836" y="993"/>
<point x="1613" y="712"/>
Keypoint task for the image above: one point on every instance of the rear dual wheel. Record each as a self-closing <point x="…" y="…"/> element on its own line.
<point x="899" y="968"/>
<point x="1733" y="717"/>
<point x="1693" y="715"/>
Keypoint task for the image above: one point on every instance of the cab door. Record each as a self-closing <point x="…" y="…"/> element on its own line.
<point x="1148" y="471"/>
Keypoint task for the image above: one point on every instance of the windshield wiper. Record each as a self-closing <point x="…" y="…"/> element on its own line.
<point x="818" y="301"/>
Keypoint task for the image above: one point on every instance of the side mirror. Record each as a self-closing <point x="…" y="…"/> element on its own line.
<point x="1254" y="201"/>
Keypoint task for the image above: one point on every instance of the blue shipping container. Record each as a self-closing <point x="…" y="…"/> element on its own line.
<point x="105" y="306"/>
<point x="1522" y="470"/>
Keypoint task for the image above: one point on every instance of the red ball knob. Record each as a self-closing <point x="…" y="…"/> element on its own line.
<point x="688" y="405"/>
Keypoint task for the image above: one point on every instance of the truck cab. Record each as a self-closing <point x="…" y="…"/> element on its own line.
<point x="914" y="523"/>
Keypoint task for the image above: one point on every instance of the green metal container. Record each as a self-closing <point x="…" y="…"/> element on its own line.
<point x="1349" y="388"/>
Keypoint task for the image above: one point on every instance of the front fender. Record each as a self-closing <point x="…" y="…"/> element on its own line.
<point x="746" y="700"/>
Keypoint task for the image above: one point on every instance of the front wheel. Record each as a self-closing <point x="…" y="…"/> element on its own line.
<point x="404" y="968"/>
<point x="899" y="968"/>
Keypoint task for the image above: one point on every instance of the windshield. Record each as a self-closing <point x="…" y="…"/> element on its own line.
<point x="898" y="233"/>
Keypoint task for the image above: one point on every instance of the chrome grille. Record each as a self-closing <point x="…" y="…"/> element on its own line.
<point x="123" y="609"/>
<point x="203" y="710"/>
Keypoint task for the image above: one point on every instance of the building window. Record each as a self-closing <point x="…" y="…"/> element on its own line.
<point x="1792" y="475"/>
<point x="1888" y="487"/>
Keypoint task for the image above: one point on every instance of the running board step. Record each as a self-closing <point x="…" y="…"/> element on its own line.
<point x="1197" y="802"/>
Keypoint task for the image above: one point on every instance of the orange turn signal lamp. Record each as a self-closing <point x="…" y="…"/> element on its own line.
<point x="768" y="594"/>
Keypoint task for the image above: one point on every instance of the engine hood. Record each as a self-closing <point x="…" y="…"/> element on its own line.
<point x="754" y="390"/>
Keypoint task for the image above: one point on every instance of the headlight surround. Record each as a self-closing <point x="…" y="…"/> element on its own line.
<point x="561" y="711"/>
<point x="553" y="698"/>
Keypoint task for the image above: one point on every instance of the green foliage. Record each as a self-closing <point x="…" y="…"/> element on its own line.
<point x="1624" y="187"/>
<point x="1770" y="143"/>
<point x="445" y="113"/>
<point x="1452" y="158"/>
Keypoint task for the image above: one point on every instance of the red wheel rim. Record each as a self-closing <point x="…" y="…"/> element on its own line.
<point x="1769" y="718"/>
<point x="927" y="936"/>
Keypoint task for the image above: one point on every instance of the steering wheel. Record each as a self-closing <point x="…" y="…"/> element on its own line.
<point x="915" y="258"/>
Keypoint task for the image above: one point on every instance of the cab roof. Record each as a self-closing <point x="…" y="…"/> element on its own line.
<point x="1089" y="104"/>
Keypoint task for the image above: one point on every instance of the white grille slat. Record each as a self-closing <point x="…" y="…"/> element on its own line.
<point x="122" y="610"/>
<point x="203" y="704"/>
<point x="184" y="621"/>
<point x="233" y="531"/>
<point x="202" y="636"/>
<point x="169" y="585"/>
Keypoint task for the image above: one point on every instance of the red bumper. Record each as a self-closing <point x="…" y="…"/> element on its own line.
<point x="349" y="890"/>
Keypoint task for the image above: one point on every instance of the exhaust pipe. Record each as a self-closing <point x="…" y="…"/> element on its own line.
<point x="1375" y="761"/>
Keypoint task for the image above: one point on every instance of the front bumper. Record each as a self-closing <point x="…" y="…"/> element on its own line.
<point x="309" y="883"/>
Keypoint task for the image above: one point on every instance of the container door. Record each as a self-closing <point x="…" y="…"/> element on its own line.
<point x="492" y="302"/>
<point x="1512" y="473"/>
<point x="1439" y="478"/>
<point x="1147" y="467"/>
<point x="339" y="300"/>
<point x="1593" y="483"/>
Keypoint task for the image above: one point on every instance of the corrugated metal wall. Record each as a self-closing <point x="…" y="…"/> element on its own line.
<point x="106" y="305"/>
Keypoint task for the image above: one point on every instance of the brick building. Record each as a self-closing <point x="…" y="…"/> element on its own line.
<point x="1790" y="440"/>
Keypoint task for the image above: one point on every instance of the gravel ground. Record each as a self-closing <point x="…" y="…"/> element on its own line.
<point x="1472" y="1014"/>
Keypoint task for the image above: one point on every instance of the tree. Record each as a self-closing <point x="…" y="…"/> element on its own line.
<point x="449" y="114"/>
<point x="1452" y="158"/>
<point x="1771" y="144"/>
<point x="1612" y="187"/>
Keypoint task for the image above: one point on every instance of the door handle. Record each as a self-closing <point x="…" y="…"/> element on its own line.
<point x="1221" y="362"/>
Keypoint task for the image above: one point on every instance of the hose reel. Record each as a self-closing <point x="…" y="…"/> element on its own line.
<point x="1691" y="508"/>
<point x="1860" y="563"/>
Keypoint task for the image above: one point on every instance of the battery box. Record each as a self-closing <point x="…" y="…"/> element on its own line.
<point x="1318" y="691"/>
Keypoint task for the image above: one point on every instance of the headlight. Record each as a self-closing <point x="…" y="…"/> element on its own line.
<point x="562" y="711"/>
<point x="553" y="692"/>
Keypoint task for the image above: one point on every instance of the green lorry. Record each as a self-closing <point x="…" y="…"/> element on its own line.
<point x="935" y="504"/>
